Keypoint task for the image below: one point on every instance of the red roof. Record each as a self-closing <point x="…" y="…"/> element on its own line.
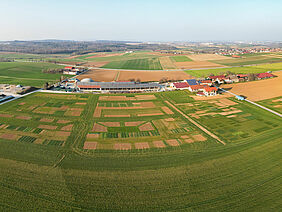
<point x="210" y="89"/>
<point x="88" y="86"/>
<point x="68" y="67"/>
<point x="236" y="56"/>
<point x="197" y="87"/>
<point x="181" y="84"/>
<point x="217" y="77"/>
<point x="265" y="75"/>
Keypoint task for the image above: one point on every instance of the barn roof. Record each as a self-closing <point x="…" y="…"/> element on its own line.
<point x="181" y="84"/>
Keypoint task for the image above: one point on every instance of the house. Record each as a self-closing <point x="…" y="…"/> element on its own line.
<point x="205" y="82"/>
<point x="195" y="88"/>
<point x="179" y="85"/>
<point x="242" y="77"/>
<point x="220" y="79"/>
<point x="231" y="79"/>
<point x="264" y="75"/>
<point x="210" y="91"/>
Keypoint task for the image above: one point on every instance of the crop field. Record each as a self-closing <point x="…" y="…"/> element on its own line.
<point x="237" y="70"/>
<point x="136" y="64"/>
<point x="274" y="103"/>
<point x="247" y="60"/>
<point x="138" y="152"/>
<point x="27" y="73"/>
<point x="181" y="58"/>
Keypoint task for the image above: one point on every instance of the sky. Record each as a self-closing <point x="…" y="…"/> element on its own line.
<point x="141" y="20"/>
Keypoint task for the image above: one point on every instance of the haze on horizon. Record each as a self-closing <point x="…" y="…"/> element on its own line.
<point x="141" y="20"/>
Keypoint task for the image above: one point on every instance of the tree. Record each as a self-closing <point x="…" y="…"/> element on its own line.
<point x="251" y="76"/>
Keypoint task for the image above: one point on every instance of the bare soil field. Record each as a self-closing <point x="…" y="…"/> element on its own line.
<point x="159" y="144"/>
<point x="196" y="64"/>
<point x="143" y="145"/>
<point x="100" y="75"/>
<point x="167" y="110"/>
<point x="259" y="90"/>
<point x="23" y="117"/>
<point x="146" y="127"/>
<point x="145" y="76"/>
<point x="122" y="146"/>
<point x="111" y="124"/>
<point x="99" y="128"/>
<point x="172" y="142"/>
<point x="48" y="127"/>
<point x="133" y="124"/>
<point x="67" y="128"/>
<point x="204" y="57"/>
<point x="90" y="145"/>
<point x="46" y="120"/>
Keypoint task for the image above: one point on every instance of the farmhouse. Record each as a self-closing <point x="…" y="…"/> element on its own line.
<point x="210" y="91"/>
<point x="205" y="82"/>
<point x="179" y="85"/>
<point x="264" y="75"/>
<point x="220" y="79"/>
<point x="117" y="87"/>
<point x="69" y="70"/>
<point x="195" y="88"/>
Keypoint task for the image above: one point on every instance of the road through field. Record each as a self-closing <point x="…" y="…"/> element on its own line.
<point x="196" y="124"/>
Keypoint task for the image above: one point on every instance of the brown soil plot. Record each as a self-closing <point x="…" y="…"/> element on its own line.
<point x="122" y="146"/>
<point x="62" y="121"/>
<point x="67" y="128"/>
<point x="143" y="145"/>
<point x="167" y="110"/>
<point x="133" y="124"/>
<point x="150" y="114"/>
<point x="63" y="134"/>
<point x="9" y="136"/>
<point x="99" y="128"/>
<point x="99" y="75"/>
<point x="6" y="115"/>
<point x="199" y="137"/>
<point x="146" y="127"/>
<point x="116" y="116"/>
<point x="172" y="142"/>
<point x="90" y="145"/>
<point x="46" y="120"/>
<point x="159" y="144"/>
<point x="93" y="136"/>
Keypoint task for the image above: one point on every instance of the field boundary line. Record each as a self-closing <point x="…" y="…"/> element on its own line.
<point x="56" y="164"/>
<point x="196" y="124"/>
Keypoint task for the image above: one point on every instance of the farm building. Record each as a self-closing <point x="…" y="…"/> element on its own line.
<point x="195" y="88"/>
<point x="210" y="91"/>
<point x="231" y="79"/>
<point x="264" y="75"/>
<point x="179" y="85"/>
<point x="205" y="82"/>
<point x="117" y="87"/>
<point x="220" y="79"/>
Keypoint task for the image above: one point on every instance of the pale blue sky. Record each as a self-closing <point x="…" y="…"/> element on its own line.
<point x="141" y="20"/>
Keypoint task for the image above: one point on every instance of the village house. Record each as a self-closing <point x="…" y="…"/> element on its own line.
<point x="210" y="91"/>
<point x="231" y="79"/>
<point x="264" y="75"/>
<point x="179" y="85"/>
<point x="220" y="79"/>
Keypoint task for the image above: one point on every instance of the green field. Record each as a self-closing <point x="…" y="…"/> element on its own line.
<point x="247" y="61"/>
<point x="181" y="59"/>
<point x="136" y="64"/>
<point x="237" y="70"/>
<point x="27" y="73"/>
<point x="274" y="104"/>
<point x="43" y="170"/>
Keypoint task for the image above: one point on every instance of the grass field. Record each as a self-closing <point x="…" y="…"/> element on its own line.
<point x="247" y="61"/>
<point x="40" y="173"/>
<point x="181" y="59"/>
<point x="237" y="70"/>
<point x="274" y="104"/>
<point x="27" y="73"/>
<point x="136" y="64"/>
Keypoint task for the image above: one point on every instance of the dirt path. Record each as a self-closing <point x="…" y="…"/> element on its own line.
<point x="196" y="124"/>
